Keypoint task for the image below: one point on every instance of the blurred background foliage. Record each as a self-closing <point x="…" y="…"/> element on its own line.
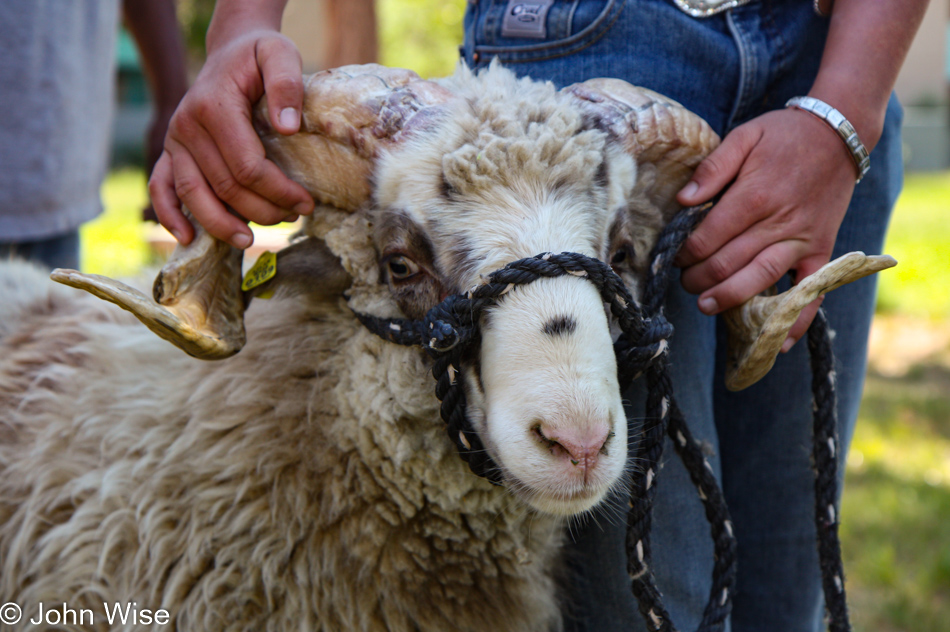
<point x="419" y="34"/>
<point x="896" y="510"/>
<point x="423" y="35"/>
<point x="920" y="241"/>
<point x="194" y="16"/>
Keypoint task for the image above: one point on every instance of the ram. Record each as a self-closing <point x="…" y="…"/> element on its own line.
<point x="308" y="482"/>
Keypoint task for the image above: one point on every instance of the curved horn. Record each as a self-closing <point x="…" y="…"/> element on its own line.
<point x="665" y="138"/>
<point x="350" y="114"/>
<point x="196" y="296"/>
<point x="758" y="327"/>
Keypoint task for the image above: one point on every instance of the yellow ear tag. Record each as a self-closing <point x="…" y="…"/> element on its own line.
<point x="262" y="271"/>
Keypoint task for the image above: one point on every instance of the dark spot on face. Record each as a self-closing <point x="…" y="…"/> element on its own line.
<point x="560" y="326"/>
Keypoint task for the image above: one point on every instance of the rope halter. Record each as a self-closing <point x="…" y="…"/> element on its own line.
<point x="449" y="333"/>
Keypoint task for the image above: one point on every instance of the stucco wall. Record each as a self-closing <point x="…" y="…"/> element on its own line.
<point x="923" y="78"/>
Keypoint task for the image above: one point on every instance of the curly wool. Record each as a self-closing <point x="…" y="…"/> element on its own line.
<point x="517" y="130"/>
<point x="512" y="159"/>
<point x="305" y="483"/>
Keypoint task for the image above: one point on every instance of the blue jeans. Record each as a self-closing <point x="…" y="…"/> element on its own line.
<point x="728" y="69"/>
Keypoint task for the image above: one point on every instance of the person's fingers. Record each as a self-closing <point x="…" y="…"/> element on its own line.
<point x="762" y="273"/>
<point x="246" y="202"/>
<point x="736" y="254"/>
<point x="195" y="193"/>
<point x="741" y="208"/>
<point x="720" y="167"/>
<point x="800" y="328"/>
<point x="248" y="167"/>
<point x="161" y="188"/>
<point x="281" y="68"/>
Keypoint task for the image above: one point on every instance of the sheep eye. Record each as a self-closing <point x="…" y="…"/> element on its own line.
<point x="401" y="268"/>
<point x="623" y="255"/>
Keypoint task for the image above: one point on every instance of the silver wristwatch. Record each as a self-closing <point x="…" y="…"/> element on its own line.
<point x="840" y="124"/>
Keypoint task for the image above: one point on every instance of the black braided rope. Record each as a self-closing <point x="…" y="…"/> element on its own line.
<point x="449" y="332"/>
<point x="825" y="448"/>
<point x="663" y="416"/>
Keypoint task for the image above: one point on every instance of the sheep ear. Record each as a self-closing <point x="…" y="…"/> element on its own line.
<point x="305" y="268"/>
<point x="666" y="140"/>
<point x="758" y="327"/>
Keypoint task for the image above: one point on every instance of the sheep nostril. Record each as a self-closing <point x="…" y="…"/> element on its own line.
<point x="552" y="444"/>
<point x="581" y="446"/>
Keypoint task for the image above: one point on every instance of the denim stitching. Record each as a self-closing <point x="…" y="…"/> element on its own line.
<point x="493" y="17"/>
<point x="557" y="23"/>
<point x="746" y="68"/>
<point x="570" y="15"/>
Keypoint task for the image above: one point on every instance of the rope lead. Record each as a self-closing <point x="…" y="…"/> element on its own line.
<point x="449" y="333"/>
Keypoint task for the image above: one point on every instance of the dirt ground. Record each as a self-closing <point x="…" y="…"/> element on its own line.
<point x="900" y="342"/>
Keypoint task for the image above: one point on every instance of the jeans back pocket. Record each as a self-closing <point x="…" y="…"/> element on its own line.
<point x="534" y="30"/>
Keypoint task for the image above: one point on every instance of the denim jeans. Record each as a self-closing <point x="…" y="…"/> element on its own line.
<point x="728" y="68"/>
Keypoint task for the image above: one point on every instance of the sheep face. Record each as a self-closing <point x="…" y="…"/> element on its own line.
<point x="491" y="185"/>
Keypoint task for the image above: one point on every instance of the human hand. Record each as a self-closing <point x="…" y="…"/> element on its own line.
<point x="213" y="157"/>
<point x="793" y="179"/>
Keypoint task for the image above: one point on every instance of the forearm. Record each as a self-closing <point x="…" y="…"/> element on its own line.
<point x="867" y="43"/>
<point x="155" y="29"/>
<point x="233" y="18"/>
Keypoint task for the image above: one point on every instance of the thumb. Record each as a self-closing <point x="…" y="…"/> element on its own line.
<point x="720" y="167"/>
<point x="280" y="65"/>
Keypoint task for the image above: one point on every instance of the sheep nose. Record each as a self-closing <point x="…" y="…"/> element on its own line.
<point x="580" y="446"/>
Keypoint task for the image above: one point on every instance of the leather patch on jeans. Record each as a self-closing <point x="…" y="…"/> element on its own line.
<point x="526" y="19"/>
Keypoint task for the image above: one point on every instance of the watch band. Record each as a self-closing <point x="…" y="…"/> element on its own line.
<point x="840" y="124"/>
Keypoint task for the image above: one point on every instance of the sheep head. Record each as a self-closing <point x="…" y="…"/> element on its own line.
<point x="503" y="170"/>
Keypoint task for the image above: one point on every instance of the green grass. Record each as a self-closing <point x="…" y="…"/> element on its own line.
<point x="896" y="507"/>
<point x="920" y="241"/>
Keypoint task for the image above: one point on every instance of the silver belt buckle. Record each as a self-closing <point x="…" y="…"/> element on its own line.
<point x="705" y="8"/>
